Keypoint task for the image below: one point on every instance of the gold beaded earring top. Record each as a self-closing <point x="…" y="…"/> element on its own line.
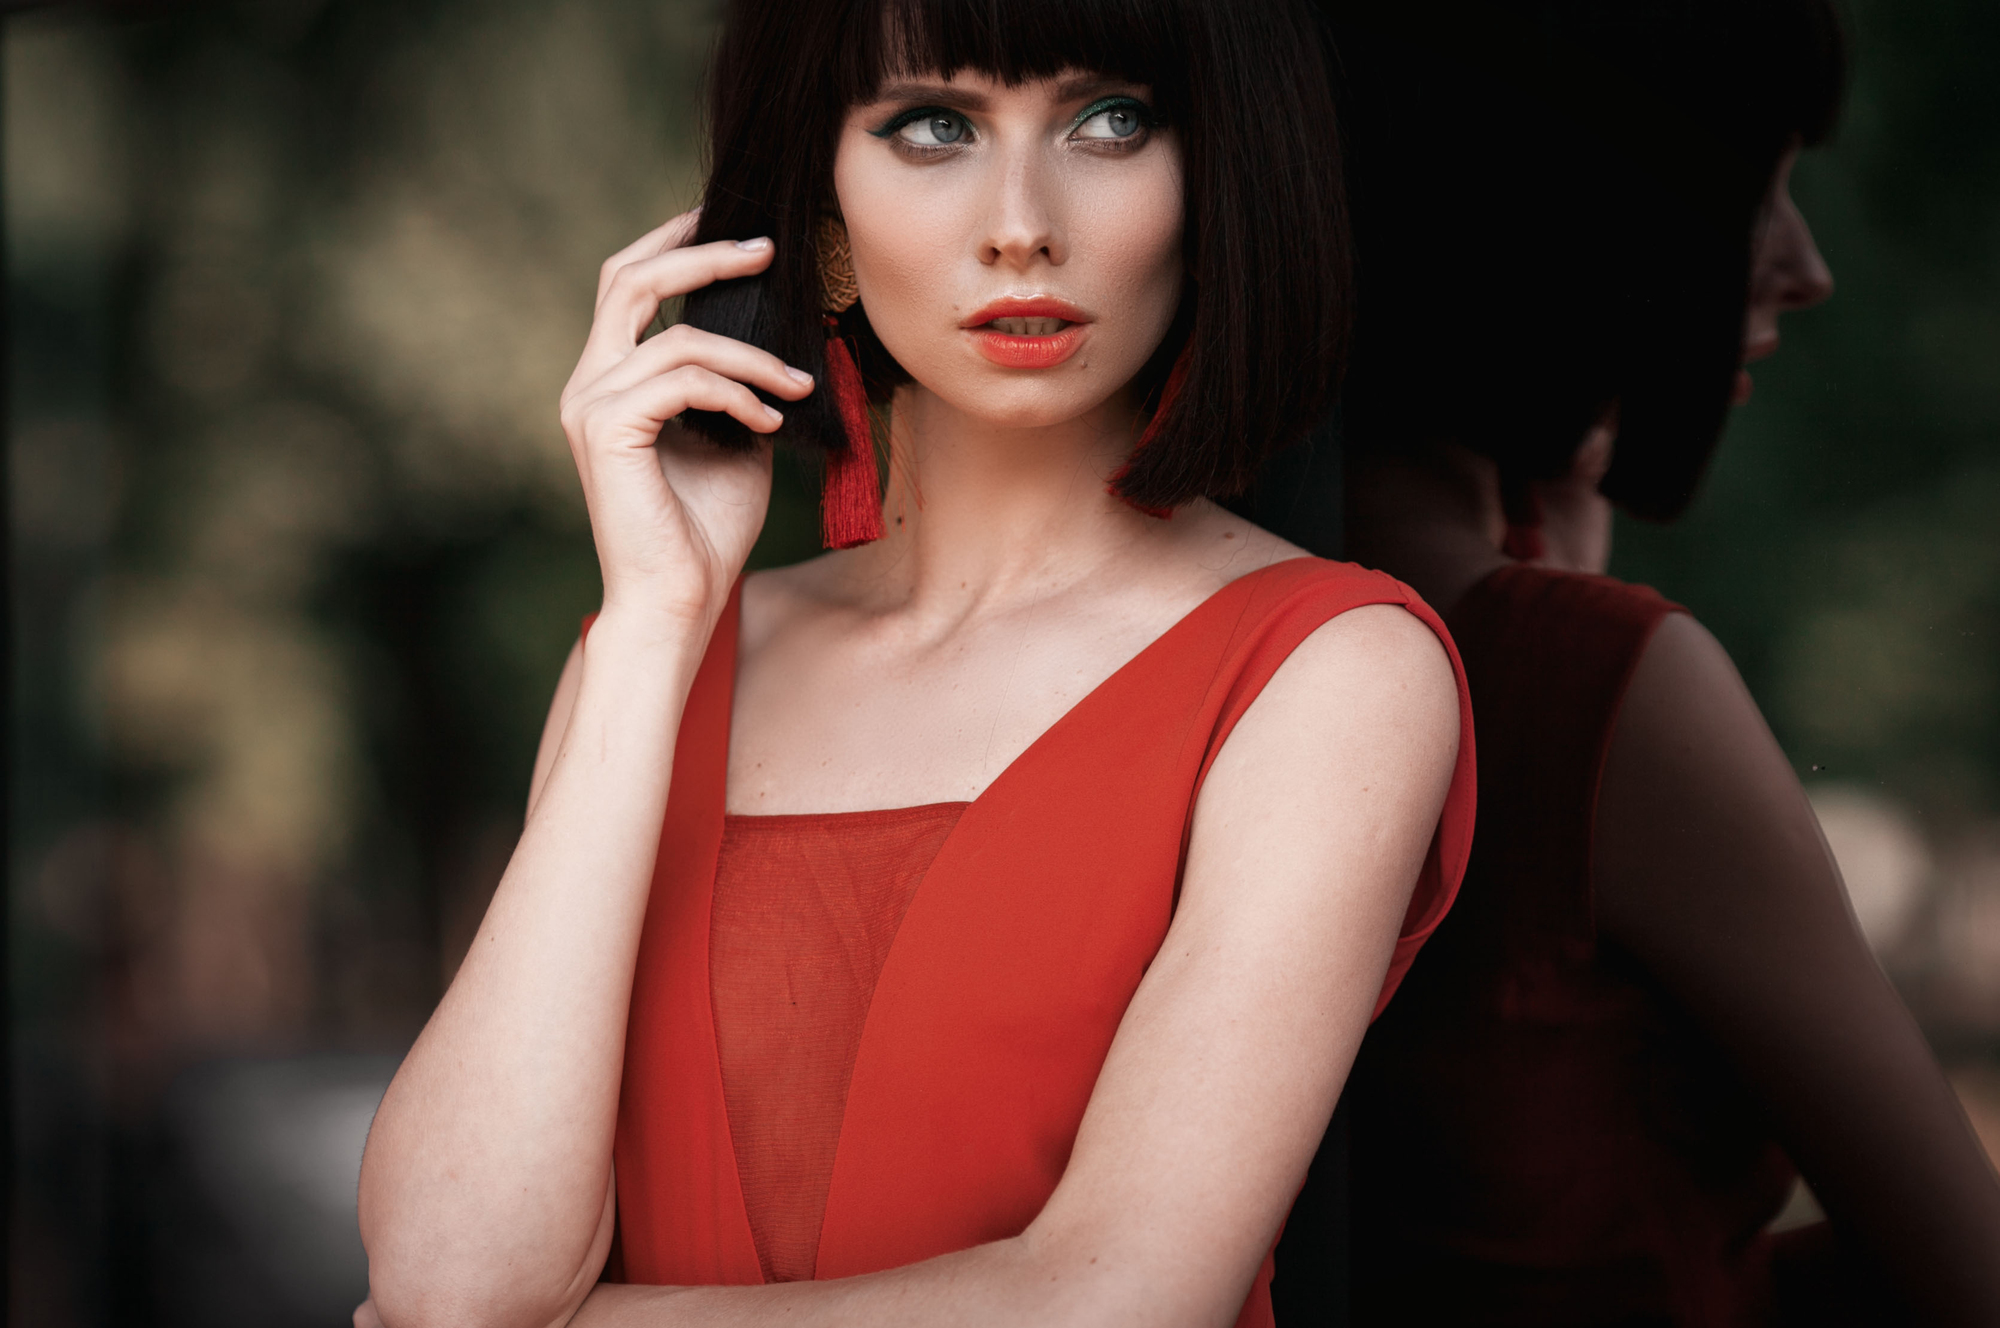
<point x="838" y="290"/>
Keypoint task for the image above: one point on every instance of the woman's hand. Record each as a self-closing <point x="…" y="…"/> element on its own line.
<point x="673" y="516"/>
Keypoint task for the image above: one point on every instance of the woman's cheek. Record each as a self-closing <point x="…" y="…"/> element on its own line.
<point x="904" y="300"/>
<point x="1144" y="257"/>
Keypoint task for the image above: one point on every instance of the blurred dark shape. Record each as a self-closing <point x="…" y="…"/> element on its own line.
<point x="255" y="1205"/>
<point x="1564" y="196"/>
<point x="296" y="558"/>
<point x="1297" y="495"/>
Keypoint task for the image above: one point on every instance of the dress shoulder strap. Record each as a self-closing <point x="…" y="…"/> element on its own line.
<point x="1549" y="655"/>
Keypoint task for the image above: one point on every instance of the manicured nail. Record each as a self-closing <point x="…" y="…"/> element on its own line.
<point x="761" y="242"/>
<point x="777" y="417"/>
<point x="798" y="375"/>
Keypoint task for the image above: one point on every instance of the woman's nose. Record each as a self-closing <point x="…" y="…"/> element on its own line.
<point x="1022" y="226"/>
<point x="1802" y="278"/>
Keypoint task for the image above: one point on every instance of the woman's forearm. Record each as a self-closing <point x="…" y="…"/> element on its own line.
<point x="486" y="1184"/>
<point x="1000" y="1285"/>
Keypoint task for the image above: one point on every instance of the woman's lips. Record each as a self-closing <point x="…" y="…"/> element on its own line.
<point x="1759" y="348"/>
<point x="1034" y="332"/>
<point x="1756" y="349"/>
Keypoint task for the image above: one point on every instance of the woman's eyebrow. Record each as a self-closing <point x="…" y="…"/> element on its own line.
<point x="944" y="94"/>
<point x="1079" y="86"/>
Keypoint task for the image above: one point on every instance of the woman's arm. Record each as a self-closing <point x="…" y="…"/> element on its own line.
<point x="557" y="724"/>
<point x="486" y="1193"/>
<point x="1308" y="837"/>
<point x="1710" y="868"/>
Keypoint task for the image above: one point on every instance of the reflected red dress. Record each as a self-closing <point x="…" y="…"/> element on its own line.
<point x="1540" y="1136"/>
<point x="860" y="1040"/>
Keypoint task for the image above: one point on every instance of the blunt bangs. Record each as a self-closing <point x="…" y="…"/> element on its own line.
<point x="1244" y="86"/>
<point x="1015" y="41"/>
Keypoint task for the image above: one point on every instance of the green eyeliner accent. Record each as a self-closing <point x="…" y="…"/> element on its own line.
<point x="1103" y="104"/>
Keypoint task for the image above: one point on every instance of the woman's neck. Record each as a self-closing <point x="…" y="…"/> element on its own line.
<point x="1435" y="524"/>
<point x="978" y="510"/>
<point x="1435" y="520"/>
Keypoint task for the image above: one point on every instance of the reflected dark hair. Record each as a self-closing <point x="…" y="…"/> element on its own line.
<point x="1243" y="83"/>
<point x="1555" y="203"/>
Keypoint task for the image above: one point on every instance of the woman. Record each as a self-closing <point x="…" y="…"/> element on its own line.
<point x="1651" y="1001"/>
<point x="974" y="924"/>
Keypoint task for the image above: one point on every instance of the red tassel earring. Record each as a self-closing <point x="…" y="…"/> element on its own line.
<point x="1169" y="393"/>
<point x="851" y="492"/>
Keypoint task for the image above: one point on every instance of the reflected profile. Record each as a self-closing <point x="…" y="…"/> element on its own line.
<point x="1653" y="1008"/>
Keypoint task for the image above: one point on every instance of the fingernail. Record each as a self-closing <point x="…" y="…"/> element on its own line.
<point x="777" y="417"/>
<point x="761" y="242"/>
<point x="798" y="375"/>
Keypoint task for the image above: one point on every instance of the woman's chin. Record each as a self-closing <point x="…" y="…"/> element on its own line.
<point x="1019" y="404"/>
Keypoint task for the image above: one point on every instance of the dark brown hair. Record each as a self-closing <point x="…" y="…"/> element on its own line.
<point x="1244" y="85"/>
<point x="1555" y="204"/>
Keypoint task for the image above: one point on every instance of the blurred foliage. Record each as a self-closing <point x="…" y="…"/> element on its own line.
<point x="297" y="546"/>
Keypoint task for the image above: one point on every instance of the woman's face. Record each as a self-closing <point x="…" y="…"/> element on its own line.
<point x="1786" y="273"/>
<point x="1018" y="249"/>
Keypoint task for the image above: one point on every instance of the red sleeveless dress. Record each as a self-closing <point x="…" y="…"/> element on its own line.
<point x="1540" y="1137"/>
<point x="862" y="1040"/>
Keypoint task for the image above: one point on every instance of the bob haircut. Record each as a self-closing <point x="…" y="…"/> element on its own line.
<point x="1555" y="204"/>
<point x="1244" y="85"/>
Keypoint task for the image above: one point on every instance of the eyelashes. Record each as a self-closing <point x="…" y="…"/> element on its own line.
<point x="1117" y="123"/>
<point x="926" y="127"/>
<point x="1114" y="119"/>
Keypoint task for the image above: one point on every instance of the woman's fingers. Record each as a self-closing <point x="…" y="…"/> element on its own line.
<point x="637" y="414"/>
<point x="669" y="235"/>
<point x="633" y="295"/>
<point x="681" y="345"/>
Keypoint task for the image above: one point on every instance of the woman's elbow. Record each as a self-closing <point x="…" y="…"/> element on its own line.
<point x="420" y="1278"/>
<point x="404" y="1296"/>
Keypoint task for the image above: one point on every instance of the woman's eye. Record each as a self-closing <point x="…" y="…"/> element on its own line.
<point x="1119" y="120"/>
<point x="935" y="129"/>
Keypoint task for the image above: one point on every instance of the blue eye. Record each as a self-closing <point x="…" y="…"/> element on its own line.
<point x="934" y="128"/>
<point x="1113" y="119"/>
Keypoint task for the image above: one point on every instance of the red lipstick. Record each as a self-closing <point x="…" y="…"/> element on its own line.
<point x="1028" y="332"/>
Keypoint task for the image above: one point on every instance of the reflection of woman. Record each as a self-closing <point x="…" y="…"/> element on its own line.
<point x="1009" y="859"/>
<point x="1651" y="1001"/>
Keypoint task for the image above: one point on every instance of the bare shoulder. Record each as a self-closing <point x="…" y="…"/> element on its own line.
<point x="1683" y="676"/>
<point x="1350" y="748"/>
<point x="1689" y="736"/>
<point x="1375" y="664"/>
<point x="1700" y="816"/>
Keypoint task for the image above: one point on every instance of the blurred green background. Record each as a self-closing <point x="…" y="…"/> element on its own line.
<point x="297" y="551"/>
